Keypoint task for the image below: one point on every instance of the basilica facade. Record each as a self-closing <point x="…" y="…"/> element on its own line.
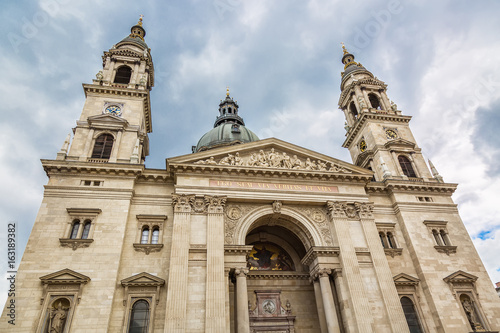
<point x="246" y="235"/>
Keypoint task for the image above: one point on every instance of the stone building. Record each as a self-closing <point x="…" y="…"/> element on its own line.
<point x="246" y="235"/>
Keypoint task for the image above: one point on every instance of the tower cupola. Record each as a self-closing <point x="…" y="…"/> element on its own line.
<point x="228" y="111"/>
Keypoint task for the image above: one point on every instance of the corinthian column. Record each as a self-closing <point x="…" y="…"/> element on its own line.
<point x="175" y="317"/>
<point x="358" y="300"/>
<point x="383" y="272"/>
<point x="242" y="319"/>
<point x="215" y="317"/>
<point x="332" y="322"/>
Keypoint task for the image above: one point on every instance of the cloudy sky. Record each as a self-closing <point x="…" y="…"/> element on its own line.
<point x="281" y="60"/>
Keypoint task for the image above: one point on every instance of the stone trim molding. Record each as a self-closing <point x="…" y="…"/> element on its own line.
<point x="147" y="248"/>
<point x="319" y="251"/>
<point x="75" y="243"/>
<point x="70" y="279"/>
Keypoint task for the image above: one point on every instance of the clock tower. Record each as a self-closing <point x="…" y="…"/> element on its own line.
<point x="378" y="134"/>
<point x="116" y="118"/>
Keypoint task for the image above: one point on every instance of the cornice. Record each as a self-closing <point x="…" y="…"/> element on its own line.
<point x="109" y="90"/>
<point x="53" y="167"/>
<point x="378" y="115"/>
<point x="416" y="186"/>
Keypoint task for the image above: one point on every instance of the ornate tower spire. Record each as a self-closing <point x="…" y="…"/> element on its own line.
<point x="116" y="118"/>
<point x="378" y="136"/>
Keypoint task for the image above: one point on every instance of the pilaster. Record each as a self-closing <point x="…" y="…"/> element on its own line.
<point x="215" y="320"/>
<point x="175" y="317"/>
<point x="355" y="287"/>
<point x="385" y="280"/>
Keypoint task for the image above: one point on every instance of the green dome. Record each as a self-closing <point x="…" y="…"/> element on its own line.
<point x="225" y="135"/>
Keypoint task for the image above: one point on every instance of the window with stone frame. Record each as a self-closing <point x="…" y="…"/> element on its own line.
<point x="463" y="287"/>
<point x="61" y="294"/>
<point x="406" y="166"/>
<point x="149" y="233"/>
<point x="439" y="234"/>
<point x="123" y="75"/>
<point x="386" y="232"/>
<point x="80" y="228"/>
<point x="140" y="297"/>
<point x="103" y="145"/>
<point x="407" y="287"/>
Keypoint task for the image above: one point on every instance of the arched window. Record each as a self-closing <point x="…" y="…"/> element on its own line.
<point x="411" y="315"/>
<point x="155" y="236"/>
<point x="374" y="101"/>
<point x="381" y="235"/>
<point x="74" y="230"/>
<point x="444" y="237"/>
<point x="353" y="110"/>
<point x="139" y="317"/>
<point x="437" y="238"/>
<point x="86" y="229"/>
<point x="229" y="110"/>
<point x="406" y="166"/>
<point x="390" y="239"/>
<point x="123" y="75"/>
<point x="145" y="235"/>
<point x="103" y="146"/>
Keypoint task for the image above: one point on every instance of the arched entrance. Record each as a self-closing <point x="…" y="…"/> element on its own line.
<point x="280" y="295"/>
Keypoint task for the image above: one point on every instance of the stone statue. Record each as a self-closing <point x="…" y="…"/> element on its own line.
<point x="362" y="103"/>
<point x="99" y="76"/>
<point x="237" y="159"/>
<point x="254" y="160"/>
<point x="211" y="160"/>
<point x="286" y="162"/>
<point x="143" y="80"/>
<point x="346" y="127"/>
<point x="471" y="315"/>
<point x="296" y="162"/>
<point x="57" y="319"/>
<point x="394" y="106"/>
<point x="228" y="160"/>
<point x="262" y="159"/>
<point x="321" y="166"/>
<point x="274" y="159"/>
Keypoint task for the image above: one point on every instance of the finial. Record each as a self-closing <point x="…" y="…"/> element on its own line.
<point x="435" y="173"/>
<point x="227" y="91"/>
<point x="140" y="20"/>
<point x="343" y="48"/>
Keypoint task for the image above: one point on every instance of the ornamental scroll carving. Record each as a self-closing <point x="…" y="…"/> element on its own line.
<point x="339" y="210"/>
<point x="182" y="202"/>
<point x="233" y="215"/>
<point x="215" y="204"/>
<point x="318" y="216"/>
<point x="277" y="160"/>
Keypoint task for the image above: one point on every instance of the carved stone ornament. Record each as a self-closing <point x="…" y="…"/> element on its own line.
<point x="337" y="209"/>
<point x="319" y="217"/>
<point x="277" y="160"/>
<point x="365" y="210"/>
<point x="199" y="206"/>
<point x="277" y="207"/>
<point x="148" y="248"/>
<point x="232" y="217"/>
<point x="182" y="202"/>
<point x="215" y="204"/>
<point x="75" y="243"/>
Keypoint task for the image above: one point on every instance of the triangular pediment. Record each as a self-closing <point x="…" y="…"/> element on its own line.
<point x="404" y="279"/>
<point x="399" y="143"/>
<point x="107" y="121"/>
<point x="266" y="155"/>
<point x="65" y="276"/>
<point x="460" y="277"/>
<point x="143" y="279"/>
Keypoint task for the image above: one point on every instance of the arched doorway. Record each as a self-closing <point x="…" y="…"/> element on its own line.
<point x="278" y="283"/>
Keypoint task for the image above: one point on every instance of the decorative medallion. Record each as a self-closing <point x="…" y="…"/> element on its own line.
<point x="268" y="306"/>
<point x="233" y="213"/>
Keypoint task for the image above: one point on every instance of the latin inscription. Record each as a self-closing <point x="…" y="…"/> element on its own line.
<point x="274" y="186"/>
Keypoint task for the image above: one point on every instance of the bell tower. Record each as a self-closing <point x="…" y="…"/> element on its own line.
<point x="116" y="118"/>
<point x="378" y="135"/>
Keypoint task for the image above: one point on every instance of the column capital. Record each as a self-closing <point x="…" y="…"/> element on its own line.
<point x="337" y="209"/>
<point x="182" y="202"/>
<point x="215" y="204"/>
<point x="364" y="210"/>
<point x="241" y="272"/>
<point x="324" y="272"/>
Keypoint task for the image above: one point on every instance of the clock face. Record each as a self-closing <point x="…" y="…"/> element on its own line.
<point x="362" y="145"/>
<point x="391" y="134"/>
<point x="114" y="110"/>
